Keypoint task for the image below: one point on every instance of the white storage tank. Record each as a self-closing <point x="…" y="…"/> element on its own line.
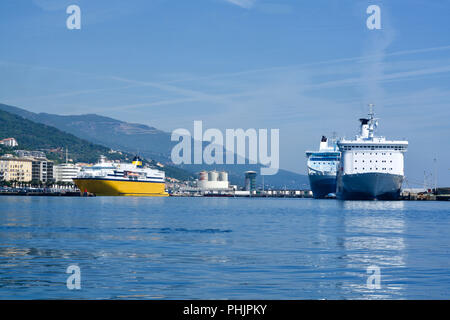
<point x="203" y="176"/>
<point x="213" y="175"/>
<point x="223" y="176"/>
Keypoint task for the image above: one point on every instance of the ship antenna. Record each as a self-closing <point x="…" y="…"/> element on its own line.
<point x="334" y="139"/>
<point x="372" y="122"/>
<point x="371" y="113"/>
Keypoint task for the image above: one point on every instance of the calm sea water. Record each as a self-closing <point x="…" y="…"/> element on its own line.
<point x="222" y="248"/>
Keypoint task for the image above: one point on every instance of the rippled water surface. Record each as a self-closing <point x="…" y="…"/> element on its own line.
<point x="223" y="248"/>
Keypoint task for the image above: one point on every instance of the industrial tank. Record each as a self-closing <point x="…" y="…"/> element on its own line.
<point x="203" y="176"/>
<point x="223" y="176"/>
<point x="213" y="176"/>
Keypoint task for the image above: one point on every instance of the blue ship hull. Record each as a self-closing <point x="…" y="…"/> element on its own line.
<point x="322" y="185"/>
<point x="369" y="186"/>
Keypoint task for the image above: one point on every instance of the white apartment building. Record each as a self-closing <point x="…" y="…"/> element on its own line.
<point x="65" y="172"/>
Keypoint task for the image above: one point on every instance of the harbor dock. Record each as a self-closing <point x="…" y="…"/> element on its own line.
<point x="438" y="194"/>
<point x="43" y="192"/>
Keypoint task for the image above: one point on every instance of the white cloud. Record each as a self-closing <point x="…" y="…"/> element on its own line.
<point x="51" y="5"/>
<point x="247" y="4"/>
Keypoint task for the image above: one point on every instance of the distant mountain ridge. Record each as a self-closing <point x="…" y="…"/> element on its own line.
<point x="147" y="141"/>
<point x="32" y="135"/>
<point x="107" y="131"/>
<point x="36" y="136"/>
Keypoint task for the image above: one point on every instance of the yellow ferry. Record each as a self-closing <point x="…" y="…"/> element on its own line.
<point x="121" y="179"/>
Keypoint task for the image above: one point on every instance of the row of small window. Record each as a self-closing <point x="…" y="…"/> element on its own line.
<point x="374" y="147"/>
<point x="375" y="161"/>
<point x="13" y="166"/>
<point x="375" y="168"/>
<point x="376" y="153"/>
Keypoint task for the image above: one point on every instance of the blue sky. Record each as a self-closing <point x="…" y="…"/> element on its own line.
<point x="305" y="67"/>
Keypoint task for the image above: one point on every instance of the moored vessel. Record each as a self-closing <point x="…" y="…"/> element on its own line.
<point x="371" y="167"/>
<point x="322" y="167"/>
<point x="121" y="179"/>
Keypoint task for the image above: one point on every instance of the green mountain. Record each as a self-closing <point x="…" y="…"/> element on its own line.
<point x="119" y="135"/>
<point x="148" y="142"/>
<point x="37" y="136"/>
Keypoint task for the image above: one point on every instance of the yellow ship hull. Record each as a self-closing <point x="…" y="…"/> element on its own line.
<point x="103" y="187"/>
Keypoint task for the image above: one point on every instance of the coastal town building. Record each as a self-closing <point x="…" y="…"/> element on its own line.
<point x="9" y="142"/>
<point x="65" y="172"/>
<point x="42" y="169"/>
<point x="27" y="153"/>
<point x="15" y="169"/>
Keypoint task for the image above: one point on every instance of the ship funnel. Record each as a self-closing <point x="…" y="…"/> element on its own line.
<point x="368" y="125"/>
<point x="364" y="128"/>
<point x="323" y="143"/>
<point x="137" y="162"/>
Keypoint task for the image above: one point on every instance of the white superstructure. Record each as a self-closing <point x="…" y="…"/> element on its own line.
<point x="325" y="161"/>
<point x="65" y="172"/>
<point x="371" y="166"/>
<point x="134" y="171"/>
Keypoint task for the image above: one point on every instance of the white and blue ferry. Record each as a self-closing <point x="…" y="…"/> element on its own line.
<point x="372" y="167"/>
<point x="322" y="168"/>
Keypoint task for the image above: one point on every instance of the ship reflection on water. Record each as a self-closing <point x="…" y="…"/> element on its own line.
<point x="374" y="237"/>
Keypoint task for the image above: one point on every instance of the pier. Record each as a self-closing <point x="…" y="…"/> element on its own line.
<point x="42" y="192"/>
<point x="438" y="194"/>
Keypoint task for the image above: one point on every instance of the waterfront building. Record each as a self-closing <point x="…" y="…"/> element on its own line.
<point x="65" y="172"/>
<point x="250" y="180"/>
<point x="42" y="170"/>
<point x="15" y="169"/>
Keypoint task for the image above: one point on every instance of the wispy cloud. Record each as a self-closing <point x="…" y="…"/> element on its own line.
<point x="379" y="78"/>
<point x="170" y="94"/>
<point x="357" y="59"/>
<point x="377" y="43"/>
<point x="51" y="5"/>
<point x="247" y="4"/>
<point x="70" y="94"/>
